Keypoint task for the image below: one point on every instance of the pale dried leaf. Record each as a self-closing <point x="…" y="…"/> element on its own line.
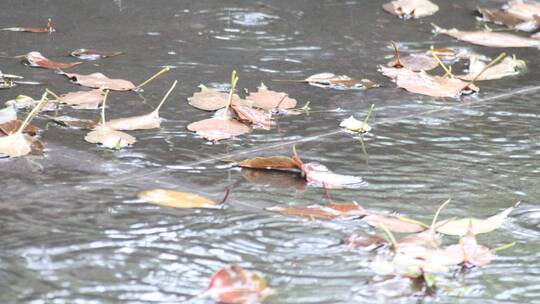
<point x="83" y="99"/>
<point x="490" y="39"/>
<point x="210" y="100"/>
<point x="508" y="67"/>
<point x="35" y="59"/>
<point x="218" y="128"/>
<point x="411" y="8"/>
<point x="109" y="138"/>
<point x="98" y="80"/>
<point x="339" y="82"/>
<point x="268" y="100"/>
<point x="88" y="54"/>
<point x="176" y="199"/>
<point x="355" y="125"/>
<point x="461" y="226"/>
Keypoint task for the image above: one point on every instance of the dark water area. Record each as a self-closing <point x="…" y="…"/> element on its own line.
<point x="73" y="230"/>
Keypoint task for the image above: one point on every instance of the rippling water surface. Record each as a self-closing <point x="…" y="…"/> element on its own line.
<point x="74" y="232"/>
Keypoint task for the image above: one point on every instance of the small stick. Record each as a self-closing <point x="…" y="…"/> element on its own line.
<point x="504" y="247"/>
<point x="225" y="197"/>
<point x="367" y="116"/>
<point x="234" y="80"/>
<point x="164" y="70"/>
<point x="437" y="213"/>
<point x="166" y="96"/>
<point x="389" y="235"/>
<point x="103" y="107"/>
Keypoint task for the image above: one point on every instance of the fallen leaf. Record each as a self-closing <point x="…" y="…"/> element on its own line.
<point x="141" y="122"/>
<point x="268" y="100"/>
<point x="218" y="128"/>
<point x="469" y="252"/>
<point x="394" y="224"/>
<point x="88" y="54"/>
<point x="48" y="29"/>
<point x="77" y="123"/>
<point x="508" y="67"/>
<point x="100" y="81"/>
<point x="210" y="100"/>
<point x="490" y="39"/>
<point x="523" y="9"/>
<point x="436" y="86"/>
<point x="83" y="99"/>
<point x="478" y="226"/>
<point x="268" y="163"/>
<point x="355" y="125"/>
<point x="499" y="17"/>
<point x="234" y="285"/>
<point x="24" y="102"/>
<point x="35" y="59"/>
<point x="12" y="126"/>
<point x="254" y="116"/>
<point x="16" y="144"/>
<point x="330" y="212"/>
<point x="341" y="82"/>
<point x="176" y="199"/>
<point x="407" y="9"/>
<point x="416" y="62"/>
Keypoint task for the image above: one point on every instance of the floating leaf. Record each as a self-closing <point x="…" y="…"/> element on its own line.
<point x="355" y="125"/>
<point x="413" y="62"/>
<point x="24" y="102"/>
<point x="12" y="126"/>
<point x="436" y="86"/>
<point x="268" y="100"/>
<point x="87" y="54"/>
<point x="523" y="9"/>
<point x="234" y="285"/>
<point x="83" y="99"/>
<point x="469" y="252"/>
<point x="269" y="163"/>
<point x="508" y="67"/>
<point x="210" y="100"/>
<point x="407" y="9"/>
<point x="478" y="226"/>
<point x="141" y="122"/>
<point x="330" y="212"/>
<point x="71" y="122"/>
<point x="100" y="81"/>
<point x="341" y="82"/>
<point x="499" y="17"/>
<point x="490" y="39"/>
<point x="35" y="59"/>
<point x="394" y="224"/>
<point x="364" y="241"/>
<point x="218" y="128"/>
<point x="176" y="199"/>
<point x="7" y="114"/>
<point x="320" y="176"/>
<point x="48" y="29"/>
<point x="254" y="116"/>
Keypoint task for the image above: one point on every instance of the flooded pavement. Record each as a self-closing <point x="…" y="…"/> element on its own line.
<point x="73" y="230"/>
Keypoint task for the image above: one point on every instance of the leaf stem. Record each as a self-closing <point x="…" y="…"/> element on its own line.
<point x="166" y="96"/>
<point x="234" y="80"/>
<point x="103" y="107"/>
<point x="162" y="71"/>
<point x="446" y="69"/>
<point x="389" y="235"/>
<point x="504" y="247"/>
<point x="489" y="65"/>
<point x="367" y="116"/>
<point x="396" y="54"/>
<point x="52" y="93"/>
<point x="33" y="113"/>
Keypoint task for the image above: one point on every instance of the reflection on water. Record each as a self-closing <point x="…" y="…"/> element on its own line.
<point x="74" y="232"/>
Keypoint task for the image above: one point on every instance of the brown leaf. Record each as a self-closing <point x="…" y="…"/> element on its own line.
<point x="98" y="80"/>
<point x="508" y="67"/>
<point x="341" y="82"/>
<point x="415" y="62"/>
<point x="140" y="122"/>
<point x="469" y="252"/>
<point x="210" y="100"/>
<point x="364" y="241"/>
<point x="234" y="285"/>
<point x="394" y="224"/>
<point x="35" y="59"/>
<point x="109" y="138"/>
<point x="499" y="17"/>
<point x="218" y="128"/>
<point x="88" y="54"/>
<point x="268" y="100"/>
<point x="254" y="116"/>
<point x="436" y="86"/>
<point x="14" y="145"/>
<point x="411" y="8"/>
<point x="330" y="212"/>
<point x="83" y="99"/>
<point x="490" y="39"/>
<point x="523" y="9"/>
<point x="13" y="126"/>
<point x="269" y="163"/>
<point x="176" y="199"/>
<point x="48" y="29"/>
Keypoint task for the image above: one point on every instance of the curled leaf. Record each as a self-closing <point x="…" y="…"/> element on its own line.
<point x="364" y="241"/>
<point x="176" y="199"/>
<point x="35" y="59"/>
<point x="88" y="54"/>
<point x="268" y="100"/>
<point x="407" y="9"/>
<point x="254" y="116"/>
<point x="469" y="252"/>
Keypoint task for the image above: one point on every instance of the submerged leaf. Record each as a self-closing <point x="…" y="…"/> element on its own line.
<point x="411" y="8"/>
<point x="210" y="100"/>
<point x="176" y="199"/>
<point x="341" y="82"/>
<point x="218" y="128"/>
<point x="508" y="67"/>
<point x="476" y="226"/>
<point x="88" y="54"/>
<point x="489" y="39"/>
<point x="75" y="122"/>
<point x="100" y="81"/>
<point x="13" y="126"/>
<point x="269" y="163"/>
<point x="83" y="99"/>
<point x="330" y="212"/>
<point x="234" y="285"/>
<point x="35" y="59"/>
<point x="268" y="100"/>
